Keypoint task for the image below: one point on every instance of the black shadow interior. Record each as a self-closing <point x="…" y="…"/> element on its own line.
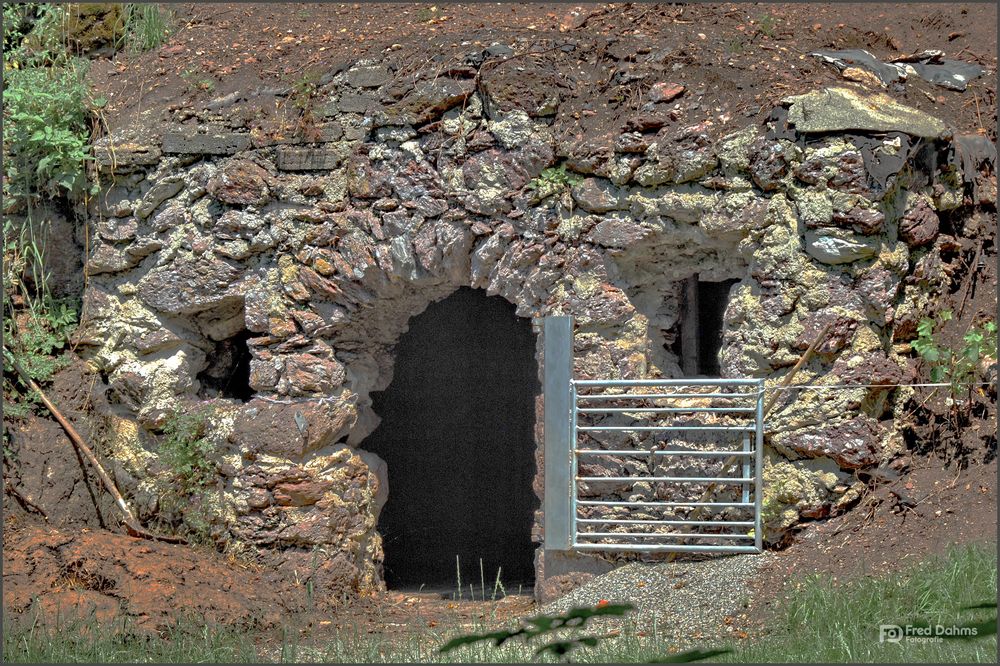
<point x="457" y="437"/>
<point x="712" y="300"/>
<point x="228" y="372"/>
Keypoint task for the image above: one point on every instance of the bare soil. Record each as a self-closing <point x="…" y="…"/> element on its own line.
<point x="69" y="574"/>
<point x="736" y="60"/>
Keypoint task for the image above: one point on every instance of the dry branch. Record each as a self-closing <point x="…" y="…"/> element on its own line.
<point x="132" y="525"/>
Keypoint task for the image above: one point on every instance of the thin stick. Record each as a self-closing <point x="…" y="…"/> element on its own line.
<point x="131" y="524"/>
<point x="972" y="277"/>
<point x="802" y="361"/>
<point x="25" y="501"/>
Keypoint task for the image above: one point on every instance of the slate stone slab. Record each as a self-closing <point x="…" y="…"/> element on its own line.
<point x="842" y="109"/>
<point x="309" y="159"/>
<point x="228" y="143"/>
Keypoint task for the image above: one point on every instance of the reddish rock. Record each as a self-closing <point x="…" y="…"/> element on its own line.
<point x="863" y="220"/>
<point x="647" y="121"/>
<point x="851" y="175"/>
<point x="241" y="183"/>
<point x="768" y="166"/>
<point x="290" y="430"/>
<point x="596" y="195"/>
<point x="300" y="494"/>
<point x="665" y="92"/>
<point x="852" y="443"/>
<point x="919" y="225"/>
<point x="306" y="374"/>
<point x="258" y="498"/>
<point x="840" y="333"/>
<point x="877" y="368"/>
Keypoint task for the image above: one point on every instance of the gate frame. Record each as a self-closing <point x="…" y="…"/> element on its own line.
<point x="561" y="429"/>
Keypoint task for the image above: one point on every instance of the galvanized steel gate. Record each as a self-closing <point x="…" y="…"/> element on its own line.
<point x="665" y="522"/>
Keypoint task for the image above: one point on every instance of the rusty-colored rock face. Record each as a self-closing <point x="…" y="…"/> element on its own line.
<point x="323" y="251"/>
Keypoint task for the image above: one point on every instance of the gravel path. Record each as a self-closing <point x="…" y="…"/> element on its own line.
<point x="687" y="602"/>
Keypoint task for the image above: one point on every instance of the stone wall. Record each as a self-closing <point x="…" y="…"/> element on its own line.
<point x="323" y="246"/>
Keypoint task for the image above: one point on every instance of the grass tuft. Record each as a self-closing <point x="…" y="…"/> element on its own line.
<point x="146" y="26"/>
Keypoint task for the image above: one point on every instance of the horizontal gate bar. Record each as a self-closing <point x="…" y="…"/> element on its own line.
<point x="666" y="382"/>
<point x="674" y="479"/>
<point x="627" y="452"/>
<point x="664" y="504"/>
<point x="666" y="428"/>
<point x="653" y="548"/>
<point x="662" y="410"/>
<point x="696" y="523"/>
<point x="651" y="396"/>
<point x="665" y="535"/>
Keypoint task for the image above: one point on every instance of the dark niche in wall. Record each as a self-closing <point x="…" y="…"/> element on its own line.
<point x="701" y="326"/>
<point x="228" y="371"/>
<point x="457" y="435"/>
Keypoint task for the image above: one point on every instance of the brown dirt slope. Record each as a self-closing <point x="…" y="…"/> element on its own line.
<point x="79" y="574"/>
<point x="735" y="60"/>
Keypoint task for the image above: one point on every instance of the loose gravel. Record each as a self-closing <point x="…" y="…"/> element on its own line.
<point x="685" y="602"/>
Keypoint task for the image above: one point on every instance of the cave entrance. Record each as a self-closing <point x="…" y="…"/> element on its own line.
<point x="457" y="435"/>
<point x="701" y="326"/>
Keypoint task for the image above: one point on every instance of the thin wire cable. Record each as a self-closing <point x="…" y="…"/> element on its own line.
<point x="792" y="387"/>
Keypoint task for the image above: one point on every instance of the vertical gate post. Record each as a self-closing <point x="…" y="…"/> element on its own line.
<point x="758" y="530"/>
<point x="558" y="369"/>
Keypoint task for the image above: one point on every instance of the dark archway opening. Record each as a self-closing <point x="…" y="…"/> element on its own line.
<point x="228" y="371"/>
<point x="457" y="435"/>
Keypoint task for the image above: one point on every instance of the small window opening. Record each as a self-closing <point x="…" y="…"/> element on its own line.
<point x="701" y="326"/>
<point x="228" y="372"/>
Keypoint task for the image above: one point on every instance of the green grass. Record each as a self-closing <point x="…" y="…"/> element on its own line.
<point x="827" y="622"/>
<point x="820" y="622"/>
<point x="84" y="642"/>
<point x="146" y="26"/>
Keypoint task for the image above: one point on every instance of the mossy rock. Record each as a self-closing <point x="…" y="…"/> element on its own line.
<point x="90" y="26"/>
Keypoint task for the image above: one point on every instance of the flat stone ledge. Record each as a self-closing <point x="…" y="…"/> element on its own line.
<point x="187" y="143"/>
<point x="309" y="159"/>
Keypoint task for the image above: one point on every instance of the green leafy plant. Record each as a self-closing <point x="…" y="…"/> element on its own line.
<point x="189" y="457"/>
<point x="17" y="22"/>
<point x="36" y="339"/>
<point x="958" y="367"/>
<point x="187" y="452"/>
<point x="735" y="46"/>
<point x="197" y="79"/>
<point x="46" y="133"/>
<point x="766" y="25"/>
<point x="553" y="180"/>
<point x="302" y="98"/>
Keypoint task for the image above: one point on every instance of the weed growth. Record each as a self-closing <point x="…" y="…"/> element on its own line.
<point x="553" y="180"/>
<point x="821" y="621"/>
<point x="958" y="367"/>
<point x="145" y="27"/>
<point x="189" y="457"/>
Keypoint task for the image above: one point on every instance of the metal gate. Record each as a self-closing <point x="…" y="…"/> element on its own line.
<point x="665" y="512"/>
